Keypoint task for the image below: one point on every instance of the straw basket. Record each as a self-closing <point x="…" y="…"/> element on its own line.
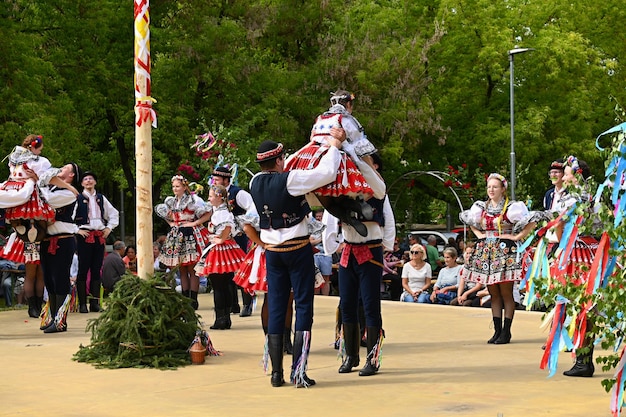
<point x="197" y="353"/>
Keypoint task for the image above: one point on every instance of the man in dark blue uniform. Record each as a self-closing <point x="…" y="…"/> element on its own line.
<point x="284" y="213"/>
<point x="360" y="272"/>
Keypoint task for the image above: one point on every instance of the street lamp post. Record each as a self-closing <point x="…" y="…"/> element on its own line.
<point x="512" y="53"/>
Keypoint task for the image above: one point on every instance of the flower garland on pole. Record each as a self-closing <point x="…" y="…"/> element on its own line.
<point x="143" y="138"/>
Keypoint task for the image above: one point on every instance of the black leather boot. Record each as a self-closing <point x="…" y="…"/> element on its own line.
<point x="94" y="302"/>
<point x="246" y="299"/>
<point x="497" y="329"/>
<point x="275" y="348"/>
<point x="32" y="307"/>
<point x="59" y="322"/>
<point x="81" y="289"/>
<point x="220" y="320"/>
<point x="288" y="346"/>
<point x="583" y="366"/>
<point x="351" y="336"/>
<point x="38" y="305"/>
<point x="299" y="362"/>
<point x="505" y="336"/>
<point x="373" y="339"/>
<point x="246" y="311"/>
<point x="194" y="299"/>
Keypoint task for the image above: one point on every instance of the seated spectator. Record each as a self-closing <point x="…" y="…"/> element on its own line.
<point x="6" y="289"/>
<point x="483" y="298"/>
<point x="130" y="259"/>
<point x="6" y="283"/>
<point x="202" y="288"/>
<point x="156" y="251"/>
<point x="460" y="242"/>
<point x="113" y="267"/>
<point x="435" y="261"/>
<point x="391" y="263"/>
<point x="323" y="262"/>
<point x="416" y="276"/>
<point x="467" y="289"/>
<point x="452" y="244"/>
<point x="446" y="287"/>
<point x="18" y="290"/>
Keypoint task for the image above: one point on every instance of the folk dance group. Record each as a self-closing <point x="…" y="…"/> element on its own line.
<point x="335" y="170"/>
<point x="52" y="221"/>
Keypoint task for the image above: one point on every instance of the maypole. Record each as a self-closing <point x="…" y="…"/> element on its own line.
<point x="143" y="139"/>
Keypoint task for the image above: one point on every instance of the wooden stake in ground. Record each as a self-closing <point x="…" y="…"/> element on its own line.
<point x="144" y="114"/>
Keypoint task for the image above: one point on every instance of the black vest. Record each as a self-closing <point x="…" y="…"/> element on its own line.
<point x="233" y="190"/>
<point x="276" y="207"/>
<point x="82" y="212"/>
<point x="377" y="206"/>
<point x="64" y="214"/>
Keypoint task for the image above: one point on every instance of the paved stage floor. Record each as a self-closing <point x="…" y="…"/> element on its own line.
<point x="436" y="362"/>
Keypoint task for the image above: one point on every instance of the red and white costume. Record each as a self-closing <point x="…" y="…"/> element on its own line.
<point x="350" y="181"/>
<point x="19" y="195"/>
<point x="223" y="257"/>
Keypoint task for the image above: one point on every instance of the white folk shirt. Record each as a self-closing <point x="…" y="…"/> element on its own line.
<point x="301" y="182"/>
<point x="96" y="218"/>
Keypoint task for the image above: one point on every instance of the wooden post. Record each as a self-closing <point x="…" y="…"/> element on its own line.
<point x="143" y="139"/>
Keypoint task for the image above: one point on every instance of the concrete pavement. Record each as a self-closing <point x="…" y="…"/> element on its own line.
<point x="436" y="362"/>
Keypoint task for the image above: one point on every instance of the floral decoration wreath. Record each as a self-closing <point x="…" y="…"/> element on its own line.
<point x="500" y="178"/>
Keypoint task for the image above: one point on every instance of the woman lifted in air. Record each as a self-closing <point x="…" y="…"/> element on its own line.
<point x="345" y="197"/>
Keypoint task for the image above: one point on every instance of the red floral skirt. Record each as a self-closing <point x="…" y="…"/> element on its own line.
<point x="349" y="182"/>
<point x="220" y="259"/>
<point x="251" y="274"/>
<point x="28" y="204"/>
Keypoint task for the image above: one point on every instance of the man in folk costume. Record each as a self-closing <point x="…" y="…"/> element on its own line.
<point x="57" y="250"/>
<point x="95" y="217"/>
<point x="344" y="197"/>
<point x="360" y="269"/>
<point x="240" y="202"/>
<point x="555" y="193"/>
<point x="279" y="197"/>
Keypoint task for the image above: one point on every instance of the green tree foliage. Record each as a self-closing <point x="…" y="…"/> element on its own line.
<point x="431" y="79"/>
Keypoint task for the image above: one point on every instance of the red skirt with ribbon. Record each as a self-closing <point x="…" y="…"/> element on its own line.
<point x="252" y="273"/>
<point x="221" y="259"/>
<point x="34" y="208"/>
<point x="349" y="182"/>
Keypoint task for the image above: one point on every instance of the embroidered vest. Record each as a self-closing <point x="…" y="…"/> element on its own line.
<point x="276" y="207"/>
<point x="233" y="190"/>
<point x="82" y="211"/>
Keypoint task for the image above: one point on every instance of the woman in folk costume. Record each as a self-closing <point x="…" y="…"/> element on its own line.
<point x="344" y="197"/>
<point x="186" y="214"/>
<point x="16" y="250"/>
<point x="222" y="258"/>
<point x="252" y="274"/>
<point x="499" y="224"/>
<point x="564" y="257"/>
<point x="27" y="212"/>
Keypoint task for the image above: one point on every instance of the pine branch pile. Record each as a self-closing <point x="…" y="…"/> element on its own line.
<point x="145" y="324"/>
